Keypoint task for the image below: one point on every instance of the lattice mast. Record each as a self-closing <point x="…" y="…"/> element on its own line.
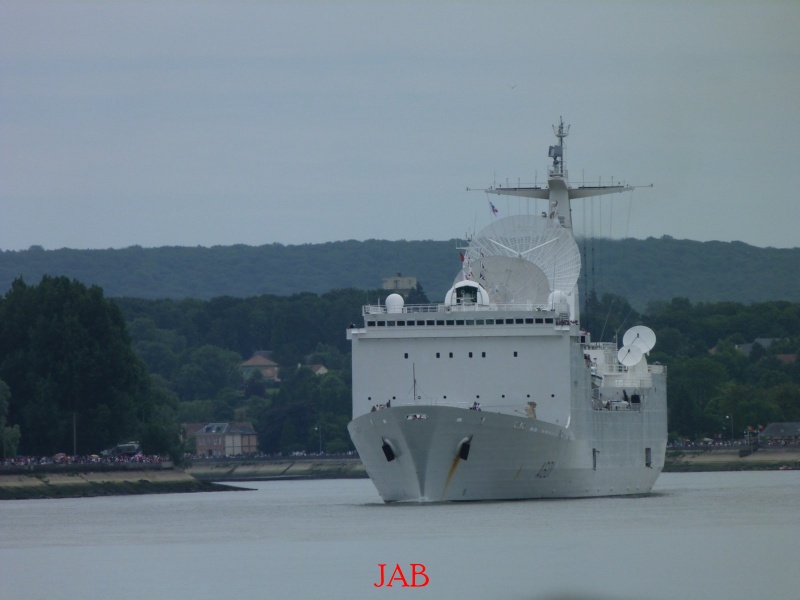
<point x="558" y="192"/>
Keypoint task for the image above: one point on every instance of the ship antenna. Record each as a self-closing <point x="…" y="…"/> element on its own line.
<point x="557" y="151"/>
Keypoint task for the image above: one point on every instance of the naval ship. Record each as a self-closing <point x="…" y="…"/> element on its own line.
<point x="497" y="393"/>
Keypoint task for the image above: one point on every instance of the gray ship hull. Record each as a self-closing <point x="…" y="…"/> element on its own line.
<point x="508" y="457"/>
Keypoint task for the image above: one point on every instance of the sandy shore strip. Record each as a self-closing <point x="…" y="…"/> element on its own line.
<point x="102" y="483"/>
<point x="728" y="459"/>
<point x="260" y="470"/>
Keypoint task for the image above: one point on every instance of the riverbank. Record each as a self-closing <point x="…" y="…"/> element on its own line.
<point x="86" y="483"/>
<point x="676" y="461"/>
<point x="75" y="481"/>
<point x="730" y="459"/>
<point x="277" y="469"/>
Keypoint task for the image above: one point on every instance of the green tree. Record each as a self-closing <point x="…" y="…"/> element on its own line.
<point x="787" y="398"/>
<point x="67" y="358"/>
<point x="330" y="356"/>
<point x="206" y="372"/>
<point x="9" y="436"/>
<point x="693" y="383"/>
<point x="255" y="385"/>
<point x="747" y="405"/>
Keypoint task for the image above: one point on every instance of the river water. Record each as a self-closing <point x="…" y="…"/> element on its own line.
<point x="699" y="535"/>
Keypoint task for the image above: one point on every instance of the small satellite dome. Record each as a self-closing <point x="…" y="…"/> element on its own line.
<point x="558" y="297"/>
<point x="394" y="303"/>
<point x="560" y="302"/>
<point x="467" y="292"/>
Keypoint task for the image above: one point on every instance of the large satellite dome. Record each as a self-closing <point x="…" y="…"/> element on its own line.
<point x="522" y="259"/>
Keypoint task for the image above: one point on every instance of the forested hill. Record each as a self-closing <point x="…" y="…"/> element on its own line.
<point x="639" y="270"/>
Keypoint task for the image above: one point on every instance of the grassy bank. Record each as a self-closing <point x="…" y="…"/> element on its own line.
<point x="107" y="483"/>
<point x="728" y="459"/>
<point x="725" y="459"/>
<point x="276" y="469"/>
<point x="205" y="475"/>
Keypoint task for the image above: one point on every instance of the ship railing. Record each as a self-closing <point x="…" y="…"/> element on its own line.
<point x="605" y="346"/>
<point x="472" y="405"/>
<point x="372" y="309"/>
<point x="626" y="381"/>
<point x="614" y="406"/>
<point x="610" y="370"/>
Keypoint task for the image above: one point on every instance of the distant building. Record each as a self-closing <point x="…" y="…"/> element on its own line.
<point x="398" y="283"/>
<point x="214" y="440"/>
<point x="785" y="432"/>
<point x="317" y="369"/>
<point x="763" y="342"/>
<point x="261" y="361"/>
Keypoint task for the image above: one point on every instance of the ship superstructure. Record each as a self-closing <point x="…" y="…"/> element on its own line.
<point x="497" y="393"/>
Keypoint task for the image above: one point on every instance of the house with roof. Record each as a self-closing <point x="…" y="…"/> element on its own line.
<point x="765" y="343"/>
<point x="746" y="349"/>
<point x="399" y="283"/>
<point x="214" y="440"/>
<point x="782" y="432"/>
<point x="261" y="361"/>
<point x="316" y="369"/>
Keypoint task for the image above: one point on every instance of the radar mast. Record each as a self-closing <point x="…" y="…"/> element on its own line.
<point x="557" y="151"/>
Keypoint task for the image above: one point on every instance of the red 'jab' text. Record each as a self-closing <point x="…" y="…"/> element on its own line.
<point x="397" y="576"/>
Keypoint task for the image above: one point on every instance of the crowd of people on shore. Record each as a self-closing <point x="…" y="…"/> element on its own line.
<point x="67" y="459"/>
<point x="722" y="444"/>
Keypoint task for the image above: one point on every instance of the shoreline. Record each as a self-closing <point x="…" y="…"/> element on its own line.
<point x="90" y="483"/>
<point x="277" y="469"/>
<point x="687" y="460"/>
<point x="80" y="481"/>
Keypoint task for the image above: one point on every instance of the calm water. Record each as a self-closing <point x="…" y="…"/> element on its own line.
<point x="700" y="535"/>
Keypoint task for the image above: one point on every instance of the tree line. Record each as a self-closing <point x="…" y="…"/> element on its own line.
<point x="642" y="271"/>
<point x="82" y="371"/>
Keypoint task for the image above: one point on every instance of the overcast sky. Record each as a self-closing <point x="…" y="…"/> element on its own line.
<point x="218" y="123"/>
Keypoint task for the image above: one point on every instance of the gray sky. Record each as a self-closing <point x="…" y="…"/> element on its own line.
<point x="208" y="123"/>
